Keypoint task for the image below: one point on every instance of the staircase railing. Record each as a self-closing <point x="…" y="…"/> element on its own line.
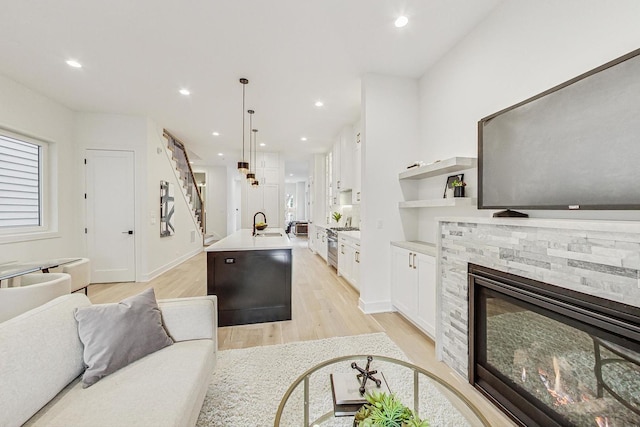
<point x="186" y="173"/>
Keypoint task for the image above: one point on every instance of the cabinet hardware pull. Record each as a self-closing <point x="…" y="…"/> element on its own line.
<point x="342" y="249"/>
<point x="410" y="260"/>
<point x="414" y="261"/>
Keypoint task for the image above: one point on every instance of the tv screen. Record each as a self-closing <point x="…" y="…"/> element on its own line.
<point x="575" y="146"/>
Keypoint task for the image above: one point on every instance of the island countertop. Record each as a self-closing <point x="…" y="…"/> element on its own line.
<point x="242" y="240"/>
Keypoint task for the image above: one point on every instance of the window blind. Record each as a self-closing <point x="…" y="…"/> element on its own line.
<point x="19" y="183"/>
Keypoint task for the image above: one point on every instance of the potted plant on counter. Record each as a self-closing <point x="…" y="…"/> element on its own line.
<point x="385" y="410"/>
<point x="336" y="217"/>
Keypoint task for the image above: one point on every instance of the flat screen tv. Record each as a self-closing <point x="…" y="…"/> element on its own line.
<point x="574" y="146"/>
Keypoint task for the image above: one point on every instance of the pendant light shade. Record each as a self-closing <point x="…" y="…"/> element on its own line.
<point x="251" y="176"/>
<point x="243" y="166"/>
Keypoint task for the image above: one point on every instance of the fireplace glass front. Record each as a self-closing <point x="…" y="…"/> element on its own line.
<point x="546" y="361"/>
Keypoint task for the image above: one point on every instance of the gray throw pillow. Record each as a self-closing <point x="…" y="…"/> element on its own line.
<point x="114" y="335"/>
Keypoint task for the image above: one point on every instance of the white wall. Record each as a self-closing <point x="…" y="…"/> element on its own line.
<point x="520" y="50"/>
<point x="390" y="137"/>
<point x="163" y="253"/>
<point x="154" y="255"/>
<point x="27" y="112"/>
<point x="215" y="199"/>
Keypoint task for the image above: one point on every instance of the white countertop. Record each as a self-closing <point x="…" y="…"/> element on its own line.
<point x="353" y="235"/>
<point x="425" y="248"/>
<point x="242" y="240"/>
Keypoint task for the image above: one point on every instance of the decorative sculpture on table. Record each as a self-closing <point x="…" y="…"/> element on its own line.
<point x="166" y="209"/>
<point x="366" y="374"/>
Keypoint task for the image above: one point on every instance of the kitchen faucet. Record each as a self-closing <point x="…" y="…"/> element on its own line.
<point x="254" y="221"/>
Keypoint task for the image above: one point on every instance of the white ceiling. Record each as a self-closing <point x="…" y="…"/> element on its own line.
<point x="136" y="55"/>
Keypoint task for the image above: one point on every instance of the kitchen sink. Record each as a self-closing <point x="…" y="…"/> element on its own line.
<point x="269" y="235"/>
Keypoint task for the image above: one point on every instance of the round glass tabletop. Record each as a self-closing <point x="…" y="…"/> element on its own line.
<point x="309" y="400"/>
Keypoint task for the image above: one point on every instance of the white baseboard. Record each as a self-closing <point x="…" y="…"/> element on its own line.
<point x="375" y="307"/>
<point x="163" y="269"/>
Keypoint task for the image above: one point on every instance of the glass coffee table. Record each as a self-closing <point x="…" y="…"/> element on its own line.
<point x="309" y="401"/>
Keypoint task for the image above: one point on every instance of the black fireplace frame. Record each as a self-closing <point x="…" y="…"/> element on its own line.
<point x="611" y="320"/>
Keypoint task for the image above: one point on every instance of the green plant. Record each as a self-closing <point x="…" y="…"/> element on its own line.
<point x="458" y="183"/>
<point x="336" y="216"/>
<point x="386" y="410"/>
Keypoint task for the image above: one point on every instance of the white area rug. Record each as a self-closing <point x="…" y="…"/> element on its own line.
<point x="248" y="384"/>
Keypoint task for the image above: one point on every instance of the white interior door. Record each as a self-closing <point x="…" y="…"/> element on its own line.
<point x="110" y="215"/>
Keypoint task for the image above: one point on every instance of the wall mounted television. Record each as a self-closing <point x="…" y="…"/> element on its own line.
<point x="574" y="146"/>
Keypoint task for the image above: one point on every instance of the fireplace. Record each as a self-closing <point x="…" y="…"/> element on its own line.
<point x="552" y="356"/>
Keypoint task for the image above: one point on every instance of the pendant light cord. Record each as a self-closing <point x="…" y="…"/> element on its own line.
<point x="243" y="86"/>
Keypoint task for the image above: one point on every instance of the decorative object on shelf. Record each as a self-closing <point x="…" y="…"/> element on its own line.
<point x="166" y="209"/>
<point x="384" y="409"/>
<point x="336" y="216"/>
<point x="251" y="176"/>
<point x="416" y="165"/>
<point x="365" y="375"/>
<point x="449" y="187"/>
<point x="458" y="188"/>
<point x="243" y="166"/>
<point x="261" y="226"/>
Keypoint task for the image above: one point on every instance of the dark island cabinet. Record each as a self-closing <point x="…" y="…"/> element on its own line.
<point x="252" y="286"/>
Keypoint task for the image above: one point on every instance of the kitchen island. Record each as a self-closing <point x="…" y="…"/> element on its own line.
<point x="251" y="276"/>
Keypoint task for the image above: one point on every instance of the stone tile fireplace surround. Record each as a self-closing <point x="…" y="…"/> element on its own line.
<point x="600" y="258"/>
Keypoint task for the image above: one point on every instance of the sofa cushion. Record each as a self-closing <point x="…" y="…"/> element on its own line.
<point x="114" y="335"/>
<point x="165" y="388"/>
<point x="40" y="353"/>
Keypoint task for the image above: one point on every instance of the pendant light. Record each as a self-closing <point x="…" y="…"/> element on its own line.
<point x="251" y="176"/>
<point x="255" y="152"/>
<point x="243" y="167"/>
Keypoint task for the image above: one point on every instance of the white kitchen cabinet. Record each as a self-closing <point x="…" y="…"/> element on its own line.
<point x="426" y="316"/>
<point x="345" y="176"/>
<point x="311" y="238"/>
<point x="413" y="290"/>
<point x="264" y="198"/>
<point x="356" y="191"/>
<point x="267" y="168"/>
<point x="349" y="259"/>
<point x="319" y="239"/>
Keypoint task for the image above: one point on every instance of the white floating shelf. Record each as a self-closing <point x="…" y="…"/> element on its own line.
<point x="442" y="167"/>
<point x="438" y="203"/>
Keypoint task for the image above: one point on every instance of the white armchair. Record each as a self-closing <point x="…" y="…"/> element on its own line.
<point x="80" y="272"/>
<point x="34" y="290"/>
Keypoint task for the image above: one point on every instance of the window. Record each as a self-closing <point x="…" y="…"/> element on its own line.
<point x="21" y="184"/>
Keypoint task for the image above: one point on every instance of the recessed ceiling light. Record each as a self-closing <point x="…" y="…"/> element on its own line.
<point x="401" y="21"/>
<point x="290" y="174"/>
<point x="262" y="144"/>
<point x="216" y="133"/>
<point x="220" y="154"/>
<point x="73" y="63"/>
<point x="185" y="92"/>
<point x="304" y="138"/>
<point x="319" y="103"/>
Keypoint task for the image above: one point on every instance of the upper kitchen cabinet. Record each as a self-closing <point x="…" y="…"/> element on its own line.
<point x="356" y="191"/>
<point x="343" y="161"/>
<point x="267" y="168"/>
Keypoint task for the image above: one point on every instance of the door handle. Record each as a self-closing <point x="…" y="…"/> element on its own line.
<point x="128" y="232"/>
<point x="414" y="261"/>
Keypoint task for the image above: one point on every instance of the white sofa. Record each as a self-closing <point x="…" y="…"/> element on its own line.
<point x="41" y="363"/>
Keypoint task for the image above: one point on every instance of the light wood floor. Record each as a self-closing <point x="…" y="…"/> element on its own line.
<point x="323" y="306"/>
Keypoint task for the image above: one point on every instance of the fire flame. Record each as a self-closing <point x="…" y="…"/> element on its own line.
<point x="555" y="391"/>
